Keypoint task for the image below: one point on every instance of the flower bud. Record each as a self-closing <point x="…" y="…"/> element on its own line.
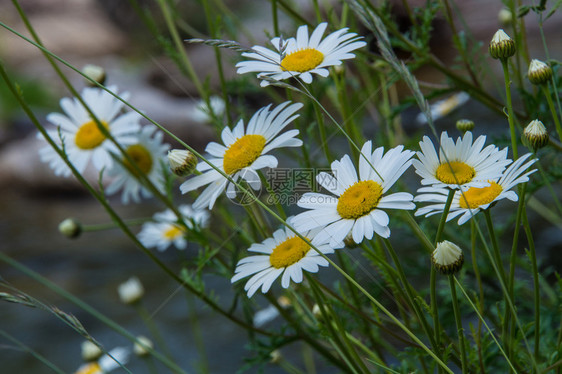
<point x="535" y="135"/>
<point x="130" y="291"/>
<point x="182" y="162"/>
<point x="142" y="346"/>
<point x="70" y="228"/>
<point x="95" y="73"/>
<point x="90" y="351"/>
<point x="349" y="242"/>
<point x="275" y="356"/>
<point x="505" y="17"/>
<point x="501" y="46"/>
<point x="464" y="125"/>
<point x="539" y="72"/>
<point x="447" y="257"/>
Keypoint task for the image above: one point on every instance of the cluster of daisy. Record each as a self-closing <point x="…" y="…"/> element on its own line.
<point x="355" y="207"/>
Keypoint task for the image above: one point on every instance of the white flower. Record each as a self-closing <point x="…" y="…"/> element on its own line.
<point x="356" y="208"/>
<point x="301" y="56"/>
<point x="130" y="291"/>
<point x="285" y="255"/>
<point x="244" y="152"/>
<point x="167" y="230"/>
<point x="83" y="141"/>
<point x="469" y="201"/>
<point x="465" y="164"/>
<point x="108" y="362"/>
<point x="142" y="346"/>
<point x="149" y="154"/>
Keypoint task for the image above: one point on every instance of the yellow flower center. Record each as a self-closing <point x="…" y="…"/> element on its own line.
<point x="141" y="157"/>
<point x="91" y="368"/>
<point x="359" y="199"/>
<point x="242" y="153"/>
<point x="173" y="232"/>
<point x="475" y="197"/>
<point x="289" y="252"/>
<point x="302" y="60"/>
<point x="455" y="172"/>
<point x="89" y="135"/>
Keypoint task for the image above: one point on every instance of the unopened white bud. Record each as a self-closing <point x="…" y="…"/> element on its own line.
<point x="182" y="162"/>
<point x="90" y="351"/>
<point x="501" y="46"/>
<point x="95" y="73"/>
<point x="130" y="291"/>
<point x="142" y="346"/>
<point x="447" y="257"/>
<point x="70" y="228"/>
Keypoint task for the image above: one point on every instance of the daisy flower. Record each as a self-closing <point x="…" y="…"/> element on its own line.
<point x="80" y="136"/>
<point x="286" y="255"/>
<point x="356" y="208"/>
<point x="166" y="230"/>
<point x="468" y="201"/>
<point x="149" y="154"/>
<point x="244" y="152"/>
<point x="301" y="56"/>
<point x="108" y="362"/>
<point x="466" y="163"/>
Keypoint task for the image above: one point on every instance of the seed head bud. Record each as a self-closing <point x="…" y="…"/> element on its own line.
<point x="130" y="291"/>
<point x="349" y="242"/>
<point x="464" y="125"/>
<point x="447" y="257"/>
<point x="535" y="135"/>
<point x="142" y="346"/>
<point x="94" y="72"/>
<point x="90" y="351"/>
<point x="505" y="17"/>
<point x="539" y="72"/>
<point x="70" y="228"/>
<point x="275" y="356"/>
<point x="501" y="46"/>
<point x="182" y="162"/>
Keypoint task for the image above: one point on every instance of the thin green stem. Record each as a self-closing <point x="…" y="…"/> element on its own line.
<point x="460" y="330"/>
<point x="154" y="331"/>
<point x="536" y="284"/>
<point x="480" y="292"/>
<point x="548" y="96"/>
<point x="510" y="115"/>
<point x="29" y="350"/>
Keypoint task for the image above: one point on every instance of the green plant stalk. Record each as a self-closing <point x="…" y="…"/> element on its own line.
<point x="418" y="232"/>
<point x="460" y="330"/>
<point x="275" y="17"/>
<point x="86" y="307"/>
<point x="154" y="331"/>
<point x="536" y="284"/>
<point x="480" y="292"/>
<point x="349" y="122"/>
<point x="165" y="9"/>
<point x="203" y="361"/>
<point x="375" y="303"/>
<point x="322" y="131"/>
<point x="218" y="58"/>
<point x="513" y="258"/>
<point x="490" y="332"/>
<point x="510" y="115"/>
<point x="338" y="333"/>
<point x="548" y="96"/>
<point x="366" y="325"/>
<point x="32" y="352"/>
<point x="433" y="276"/>
<point x="112" y="225"/>
<point x="410" y="296"/>
<point x="303" y="334"/>
<point x="509" y="301"/>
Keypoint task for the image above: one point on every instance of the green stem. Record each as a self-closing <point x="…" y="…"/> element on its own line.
<point x="460" y="330"/>
<point x="510" y="115"/>
<point x="433" y="276"/>
<point x="35" y="354"/>
<point x="410" y="296"/>
<point x="480" y="292"/>
<point x="548" y="96"/>
<point x="154" y="331"/>
<point x="536" y="285"/>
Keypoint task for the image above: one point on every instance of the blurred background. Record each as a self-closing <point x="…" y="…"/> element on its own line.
<point x="33" y="201"/>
